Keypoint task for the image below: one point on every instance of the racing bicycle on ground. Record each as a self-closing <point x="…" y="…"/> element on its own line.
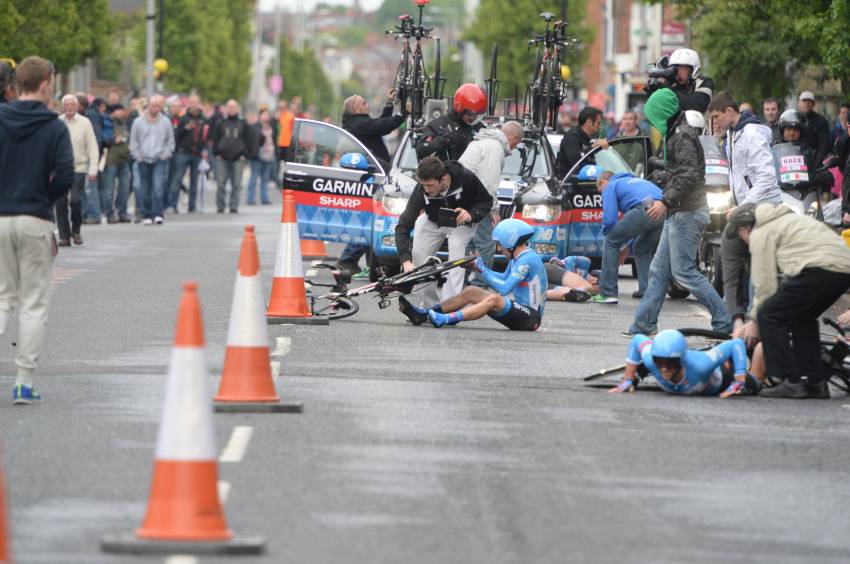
<point x="338" y="303"/>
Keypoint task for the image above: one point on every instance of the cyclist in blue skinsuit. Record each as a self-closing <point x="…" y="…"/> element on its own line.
<point x="570" y="279"/>
<point x="524" y="280"/>
<point x="679" y="370"/>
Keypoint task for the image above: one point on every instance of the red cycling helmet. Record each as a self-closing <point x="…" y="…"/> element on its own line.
<point x="470" y="98"/>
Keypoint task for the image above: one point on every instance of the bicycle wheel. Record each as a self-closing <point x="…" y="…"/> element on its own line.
<point x="492" y="82"/>
<point x="401" y="79"/>
<point x="333" y="307"/>
<point x="417" y="90"/>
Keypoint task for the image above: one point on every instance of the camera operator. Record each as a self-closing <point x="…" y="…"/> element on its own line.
<point x="680" y="72"/>
<point x="446" y="137"/>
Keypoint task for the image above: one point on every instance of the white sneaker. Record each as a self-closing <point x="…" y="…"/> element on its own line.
<point x="158" y="220"/>
<point x="147" y="221"/>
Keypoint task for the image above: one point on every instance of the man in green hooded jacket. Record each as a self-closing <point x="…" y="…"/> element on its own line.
<point x="683" y="201"/>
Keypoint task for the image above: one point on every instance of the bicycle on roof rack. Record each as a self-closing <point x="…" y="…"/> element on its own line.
<point x="547" y="89"/>
<point x="412" y="83"/>
<point x="339" y="302"/>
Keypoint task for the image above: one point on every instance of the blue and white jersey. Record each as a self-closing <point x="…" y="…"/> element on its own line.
<point x="524" y="280"/>
<point x="702" y="368"/>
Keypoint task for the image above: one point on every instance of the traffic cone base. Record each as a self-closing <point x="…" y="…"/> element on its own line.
<point x="314" y="249"/>
<point x="130" y="544"/>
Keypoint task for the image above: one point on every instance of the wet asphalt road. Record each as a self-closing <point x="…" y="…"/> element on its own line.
<point x="459" y="445"/>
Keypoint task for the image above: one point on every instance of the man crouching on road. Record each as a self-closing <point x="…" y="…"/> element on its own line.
<point x="453" y="200"/>
<point x="524" y="280"/>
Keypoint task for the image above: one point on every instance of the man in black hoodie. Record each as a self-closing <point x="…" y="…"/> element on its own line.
<point x="36" y="168"/>
<point x="370" y="131"/>
<point x="230" y="144"/>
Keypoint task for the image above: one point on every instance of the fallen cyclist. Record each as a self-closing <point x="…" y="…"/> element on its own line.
<point x="571" y="280"/>
<point x="524" y="280"/>
<point x="680" y="370"/>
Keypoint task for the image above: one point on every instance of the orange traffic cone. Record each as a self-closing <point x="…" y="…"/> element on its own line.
<point x="246" y="381"/>
<point x="4" y="528"/>
<point x="288" y="301"/>
<point x="184" y="513"/>
<point x="314" y="249"/>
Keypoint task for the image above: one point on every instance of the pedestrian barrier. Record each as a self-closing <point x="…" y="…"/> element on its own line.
<point x="184" y="513"/>
<point x="288" y="301"/>
<point x="246" y="381"/>
<point x="313" y="249"/>
<point x="4" y="527"/>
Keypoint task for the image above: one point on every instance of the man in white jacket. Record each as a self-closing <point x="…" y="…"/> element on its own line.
<point x="752" y="178"/>
<point x="484" y="157"/>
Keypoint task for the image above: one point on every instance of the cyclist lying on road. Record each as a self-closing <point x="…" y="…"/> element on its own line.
<point x="679" y="370"/>
<point x="570" y="279"/>
<point x="524" y="280"/>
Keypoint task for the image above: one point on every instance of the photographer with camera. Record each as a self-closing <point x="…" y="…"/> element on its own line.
<point x="680" y="72"/>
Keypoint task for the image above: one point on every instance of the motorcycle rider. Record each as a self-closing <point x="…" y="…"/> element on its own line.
<point x="797" y="161"/>
<point x="693" y="90"/>
<point x="447" y="136"/>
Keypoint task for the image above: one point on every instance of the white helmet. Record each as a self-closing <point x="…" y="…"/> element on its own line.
<point x="695" y="119"/>
<point x="685" y="57"/>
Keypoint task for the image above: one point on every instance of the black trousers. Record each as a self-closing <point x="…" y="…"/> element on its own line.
<point x="75" y="196"/>
<point x="791" y="315"/>
<point x="734" y="257"/>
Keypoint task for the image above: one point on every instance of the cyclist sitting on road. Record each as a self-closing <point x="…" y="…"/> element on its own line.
<point x="570" y="279"/>
<point x="447" y="136"/>
<point x="679" y="370"/>
<point x="524" y="280"/>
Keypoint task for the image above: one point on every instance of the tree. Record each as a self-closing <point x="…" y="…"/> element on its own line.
<point x="303" y="76"/>
<point x="510" y="23"/>
<point x="66" y="32"/>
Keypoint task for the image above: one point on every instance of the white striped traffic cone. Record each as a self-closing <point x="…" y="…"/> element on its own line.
<point x="184" y="512"/>
<point x="246" y="380"/>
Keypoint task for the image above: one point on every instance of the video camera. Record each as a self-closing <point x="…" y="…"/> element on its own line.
<point x="661" y="69"/>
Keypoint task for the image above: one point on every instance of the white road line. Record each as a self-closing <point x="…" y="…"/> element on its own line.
<point x="237" y="445"/>
<point x="282" y="346"/>
<point x="181" y="559"/>
<point x="315" y="262"/>
<point x="311" y="273"/>
<point x="223" y="491"/>
<point x="275" y="368"/>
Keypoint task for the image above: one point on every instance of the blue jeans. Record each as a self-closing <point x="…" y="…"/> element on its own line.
<point x="636" y="225"/>
<point x="152" y="178"/>
<point x="182" y="162"/>
<point x="482" y="241"/>
<point x="91" y="199"/>
<point x="110" y="173"/>
<point x="352" y="252"/>
<point x="675" y="259"/>
<point x="261" y="172"/>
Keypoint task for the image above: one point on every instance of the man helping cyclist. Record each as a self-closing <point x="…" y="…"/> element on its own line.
<point x="524" y="280"/>
<point x="680" y="370"/>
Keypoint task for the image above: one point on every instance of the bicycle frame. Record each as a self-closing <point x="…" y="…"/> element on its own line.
<point x="411" y="77"/>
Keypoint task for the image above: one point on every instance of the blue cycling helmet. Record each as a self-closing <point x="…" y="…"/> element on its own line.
<point x="354" y="161"/>
<point x="511" y="233"/>
<point x="669" y="344"/>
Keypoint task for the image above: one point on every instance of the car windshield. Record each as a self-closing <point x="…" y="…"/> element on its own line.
<point x="535" y="163"/>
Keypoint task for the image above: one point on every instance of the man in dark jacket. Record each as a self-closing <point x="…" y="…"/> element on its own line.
<point x="463" y="200"/>
<point x="230" y="143"/>
<point x="446" y="137"/>
<point x="683" y="201"/>
<point x="117" y="167"/>
<point x="816" y="133"/>
<point x="190" y="139"/>
<point x="36" y="168"/>
<point x="368" y="130"/>
<point x="579" y="140"/>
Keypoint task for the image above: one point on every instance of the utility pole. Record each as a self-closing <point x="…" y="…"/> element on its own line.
<point x="151" y="16"/>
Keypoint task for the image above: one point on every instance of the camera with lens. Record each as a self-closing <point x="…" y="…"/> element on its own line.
<point x="661" y="69"/>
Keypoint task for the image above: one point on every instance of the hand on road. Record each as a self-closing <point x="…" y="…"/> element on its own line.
<point x="734" y="389"/>
<point x="407" y="266"/>
<point x="463" y="216"/>
<point x="657" y="210"/>
<point x="623" y="386"/>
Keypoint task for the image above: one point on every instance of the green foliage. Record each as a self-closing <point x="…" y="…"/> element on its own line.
<point x="510" y="23"/>
<point x="65" y="32"/>
<point x="303" y="76"/>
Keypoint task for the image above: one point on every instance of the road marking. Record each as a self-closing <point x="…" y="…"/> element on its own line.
<point x="275" y="368"/>
<point x="846" y="406"/>
<point x="311" y="273"/>
<point x="282" y="346"/>
<point x="223" y="491"/>
<point x="181" y="559"/>
<point x="237" y="445"/>
<point x="315" y="262"/>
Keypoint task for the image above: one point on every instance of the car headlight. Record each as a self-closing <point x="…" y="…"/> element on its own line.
<point x="540" y="212"/>
<point x="544" y="249"/>
<point x="388" y="240"/>
<point x="718" y="202"/>
<point x="394" y="206"/>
